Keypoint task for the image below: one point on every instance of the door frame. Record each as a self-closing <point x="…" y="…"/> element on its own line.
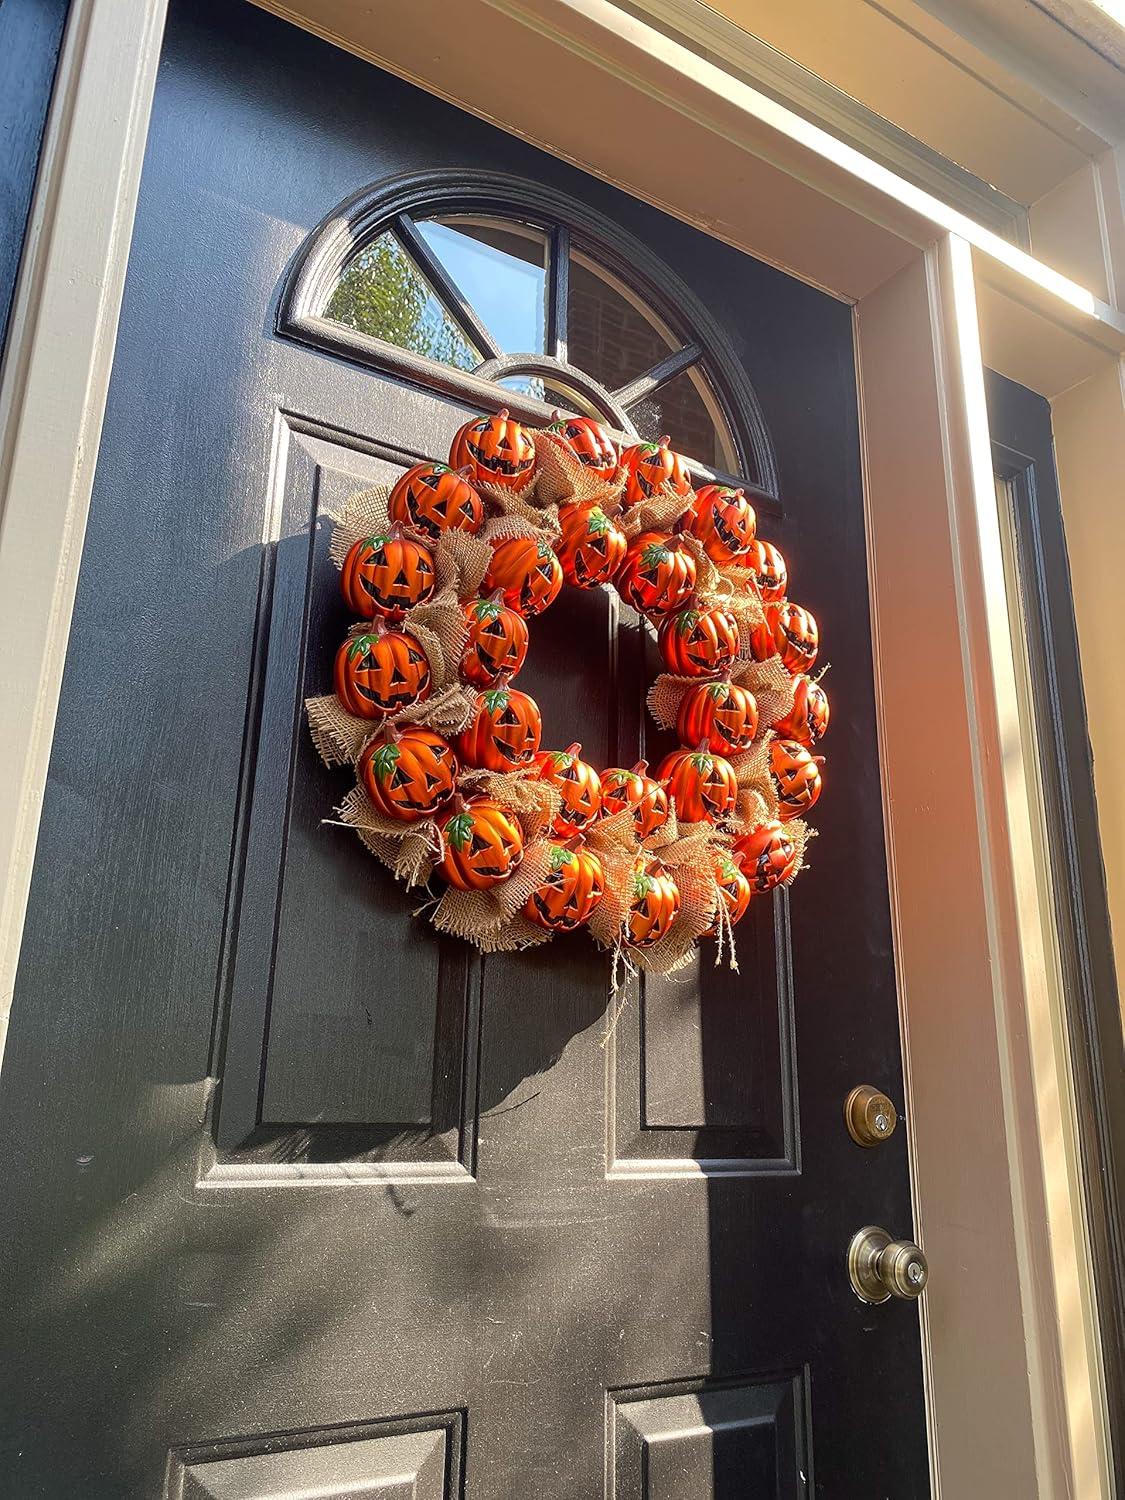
<point x="1010" y="1332"/>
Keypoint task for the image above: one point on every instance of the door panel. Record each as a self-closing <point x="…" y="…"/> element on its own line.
<point x="289" y="1172"/>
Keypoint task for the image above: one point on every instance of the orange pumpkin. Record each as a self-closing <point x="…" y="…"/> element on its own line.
<point x="734" y="890"/>
<point x="527" y="571"/>
<point x="387" y="575"/>
<point x="654" y="904"/>
<point x="701" y="784"/>
<point x="767" y="856"/>
<point x="577" y="783"/>
<point x="432" y="499"/>
<point x="796" y="778"/>
<point x="657" y="576"/>
<point x="482" y="844"/>
<point x="698" y="642"/>
<point x="648" y="468"/>
<point x="760" y="642"/>
<point x="635" y="789"/>
<point x="591" y="548"/>
<point x="381" y="672"/>
<point x="795" y="634"/>
<point x="720" y="715"/>
<point x="807" y="720"/>
<point x="497" y="643"/>
<point x="505" y="732"/>
<point x="590" y="444"/>
<point x="723" y="520"/>
<point x="496" y="450"/>
<point x="569" y="892"/>
<point x="409" y="773"/>
<point x="768" y="567"/>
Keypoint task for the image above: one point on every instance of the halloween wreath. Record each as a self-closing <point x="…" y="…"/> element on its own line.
<point x="444" y="569"/>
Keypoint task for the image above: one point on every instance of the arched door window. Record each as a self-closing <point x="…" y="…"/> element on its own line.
<point x="504" y="291"/>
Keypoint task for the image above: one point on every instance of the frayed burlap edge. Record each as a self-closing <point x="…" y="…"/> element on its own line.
<point x="563" y="479"/>
<point x="659" y="513"/>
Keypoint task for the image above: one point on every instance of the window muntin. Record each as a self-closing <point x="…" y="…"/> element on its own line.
<point x="525" y="307"/>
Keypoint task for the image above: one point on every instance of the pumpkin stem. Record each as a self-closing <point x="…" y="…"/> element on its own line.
<point x="663" y="442"/>
<point x="641" y="768"/>
<point x="503" y="414"/>
<point x="574" y="751"/>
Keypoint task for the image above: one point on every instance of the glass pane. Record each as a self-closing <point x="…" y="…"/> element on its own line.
<point x="553" y="391"/>
<point x="686" y="408"/>
<point x="610" y="334"/>
<point x="382" y="292"/>
<point x="500" y="270"/>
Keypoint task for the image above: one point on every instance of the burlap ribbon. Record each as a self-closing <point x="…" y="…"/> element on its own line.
<point x="658" y="513"/>
<point x="614" y="841"/>
<point x="562" y="477"/>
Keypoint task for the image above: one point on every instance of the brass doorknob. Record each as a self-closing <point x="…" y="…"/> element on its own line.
<point x="869" y="1115"/>
<point x="880" y="1267"/>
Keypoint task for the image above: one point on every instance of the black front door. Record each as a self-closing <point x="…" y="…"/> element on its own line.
<point x="299" y="1198"/>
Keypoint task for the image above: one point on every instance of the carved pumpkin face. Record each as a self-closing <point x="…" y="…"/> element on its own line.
<point x="432" y="499"/>
<point x="767" y="856"/>
<point x="635" y="789"/>
<point x="698" y="642"/>
<point x="505" y="733"/>
<point x="409" y="774"/>
<point x="654" y="905"/>
<point x="387" y="575"/>
<point x="807" y="720"/>
<point x="723" y="520"/>
<point x="656" y="576"/>
<point x="590" y="444"/>
<point x="734" y="891"/>
<point x="795" y="634"/>
<point x="483" y="844"/>
<point x="571" y="889"/>
<point x="577" y="783"/>
<point x="497" y="643"/>
<point x="496" y="449"/>
<point x="701" y="784"/>
<point x="768" y="567"/>
<point x="591" y="548"/>
<point x="648" y="467"/>
<point x="381" y="672"/>
<point x="527" y="571"/>
<point x="721" y="715"/>
<point x="796" y="778"/>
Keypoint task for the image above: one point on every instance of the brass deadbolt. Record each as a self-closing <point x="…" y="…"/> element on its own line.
<point x="881" y="1268"/>
<point x="869" y="1115"/>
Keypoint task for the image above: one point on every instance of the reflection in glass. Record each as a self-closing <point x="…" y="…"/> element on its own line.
<point x="500" y="270"/>
<point x="610" y="334"/>
<point x="686" y="407"/>
<point x="381" y="292"/>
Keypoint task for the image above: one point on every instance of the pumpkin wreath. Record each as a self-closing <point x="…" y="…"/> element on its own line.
<point x="443" y="571"/>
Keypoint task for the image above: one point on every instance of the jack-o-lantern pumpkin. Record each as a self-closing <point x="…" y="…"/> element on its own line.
<point x="766" y="855"/>
<point x="590" y="444"/>
<point x="701" y="784"/>
<point x="698" y="642"/>
<point x="653" y="905"/>
<point x="570" y="890"/>
<point x="381" y="672"/>
<point x="723" y="520"/>
<point x="796" y="778"/>
<point x="409" y="773"/>
<point x="760" y="642"/>
<point x="505" y="732"/>
<point x="433" y="499"/>
<point x="650" y="467"/>
<point x="807" y="720"/>
<point x="768" y="567"/>
<point x="638" y="790"/>
<point x="527" y="571"/>
<point x="657" y="575"/>
<point x="734" y="890"/>
<point x="497" y="643"/>
<point x="496" y="449"/>
<point x="795" y="634"/>
<point x="577" y="783"/>
<point x="591" y="548"/>
<point x="387" y="575"/>
<point x="482" y="844"/>
<point x="721" y="715"/>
